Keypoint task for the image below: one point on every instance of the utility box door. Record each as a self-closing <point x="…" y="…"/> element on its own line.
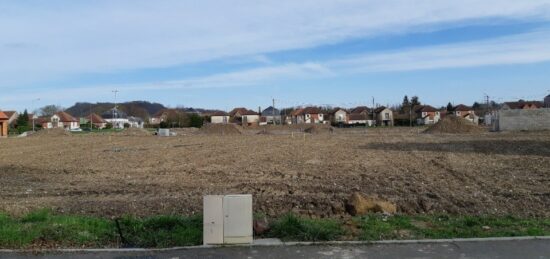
<point x="213" y="220"/>
<point x="237" y="225"/>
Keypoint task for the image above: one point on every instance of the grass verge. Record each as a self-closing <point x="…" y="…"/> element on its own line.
<point x="379" y="227"/>
<point x="43" y="229"/>
<point x="293" y="228"/>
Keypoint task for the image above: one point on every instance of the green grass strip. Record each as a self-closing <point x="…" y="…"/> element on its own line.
<point x="379" y="227"/>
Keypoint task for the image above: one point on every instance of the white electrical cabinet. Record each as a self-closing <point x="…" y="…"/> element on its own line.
<point x="227" y="219"/>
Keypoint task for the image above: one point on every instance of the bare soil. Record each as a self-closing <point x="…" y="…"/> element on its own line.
<point x="454" y="124"/>
<point x="313" y="175"/>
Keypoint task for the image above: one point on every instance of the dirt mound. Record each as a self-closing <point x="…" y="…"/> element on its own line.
<point x="454" y="124"/>
<point x="135" y="132"/>
<point x="320" y="129"/>
<point x="220" y="129"/>
<point x="58" y="132"/>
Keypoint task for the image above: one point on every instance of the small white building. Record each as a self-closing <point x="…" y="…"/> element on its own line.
<point x="250" y="118"/>
<point x="339" y="116"/>
<point x="119" y="118"/>
<point x="61" y="120"/>
<point x="219" y="118"/>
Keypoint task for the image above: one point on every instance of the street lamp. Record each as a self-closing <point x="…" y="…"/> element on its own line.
<point x="33" y="115"/>
<point x="115" y="111"/>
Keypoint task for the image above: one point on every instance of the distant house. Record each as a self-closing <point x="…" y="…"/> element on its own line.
<point x="297" y="116"/>
<point x="361" y="110"/>
<point x="12" y="117"/>
<point x="426" y="114"/>
<point x="168" y="114"/>
<point x="244" y="116"/>
<point x="219" y="118"/>
<point x="313" y="115"/>
<point x="4" y="124"/>
<point x="118" y="119"/>
<point x="249" y="118"/>
<point x="271" y="116"/>
<point x="359" y="119"/>
<point x="547" y="101"/>
<point x="237" y="112"/>
<point x="59" y="120"/>
<point x="466" y="112"/>
<point x="338" y="116"/>
<point x="97" y="121"/>
<point x="361" y="115"/>
<point x="135" y="122"/>
<point x="522" y="105"/>
<point x="383" y="116"/>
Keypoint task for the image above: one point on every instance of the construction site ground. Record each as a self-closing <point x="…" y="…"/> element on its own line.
<point x="310" y="174"/>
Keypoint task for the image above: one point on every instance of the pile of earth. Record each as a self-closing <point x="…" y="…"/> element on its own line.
<point x="320" y="129"/>
<point x="57" y="132"/>
<point x="454" y="124"/>
<point x="220" y="129"/>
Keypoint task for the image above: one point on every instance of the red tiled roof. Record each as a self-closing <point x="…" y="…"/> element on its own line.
<point x="3" y="116"/>
<point x="380" y="109"/>
<point x="95" y="118"/>
<point x="335" y="110"/>
<point x="9" y="113"/>
<point x="312" y="110"/>
<point x="462" y="108"/>
<point x="42" y="120"/>
<point x="360" y="109"/>
<point x="297" y="112"/>
<point x="219" y="113"/>
<point x="239" y="110"/>
<point x="520" y="105"/>
<point x="249" y="112"/>
<point x="65" y="117"/>
<point x="424" y="108"/>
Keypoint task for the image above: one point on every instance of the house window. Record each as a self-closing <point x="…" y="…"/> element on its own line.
<point x="387" y="116"/>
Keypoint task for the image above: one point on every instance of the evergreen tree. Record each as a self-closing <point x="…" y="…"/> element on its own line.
<point x="415" y="101"/>
<point x="406" y="102"/>
<point x="450" y="107"/>
<point x="23" y="122"/>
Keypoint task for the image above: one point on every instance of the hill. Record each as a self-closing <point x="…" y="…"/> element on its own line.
<point x="142" y="109"/>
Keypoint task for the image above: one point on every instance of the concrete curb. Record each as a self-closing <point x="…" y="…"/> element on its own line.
<point x="276" y="242"/>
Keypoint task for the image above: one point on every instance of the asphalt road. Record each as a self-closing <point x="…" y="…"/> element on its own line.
<point x="483" y="249"/>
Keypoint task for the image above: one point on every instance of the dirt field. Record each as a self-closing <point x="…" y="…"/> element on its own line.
<point x="488" y="173"/>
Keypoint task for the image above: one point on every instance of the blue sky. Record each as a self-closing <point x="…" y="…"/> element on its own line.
<point x="214" y="54"/>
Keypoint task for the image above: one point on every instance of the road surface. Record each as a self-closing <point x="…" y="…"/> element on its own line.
<point x="483" y="249"/>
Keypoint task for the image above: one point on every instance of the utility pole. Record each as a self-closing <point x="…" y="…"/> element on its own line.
<point x="115" y="112"/>
<point x="374" y="121"/>
<point x="273" y="113"/>
<point x="486" y="103"/>
<point x="410" y="116"/>
<point x="91" y="119"/>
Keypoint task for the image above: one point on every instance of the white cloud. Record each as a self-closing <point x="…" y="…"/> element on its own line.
<point x="519" y="49"/>
<point x="40" y="41"/>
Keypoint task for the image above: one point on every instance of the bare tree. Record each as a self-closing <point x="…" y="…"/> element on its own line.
<point x="50" y="110"/>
